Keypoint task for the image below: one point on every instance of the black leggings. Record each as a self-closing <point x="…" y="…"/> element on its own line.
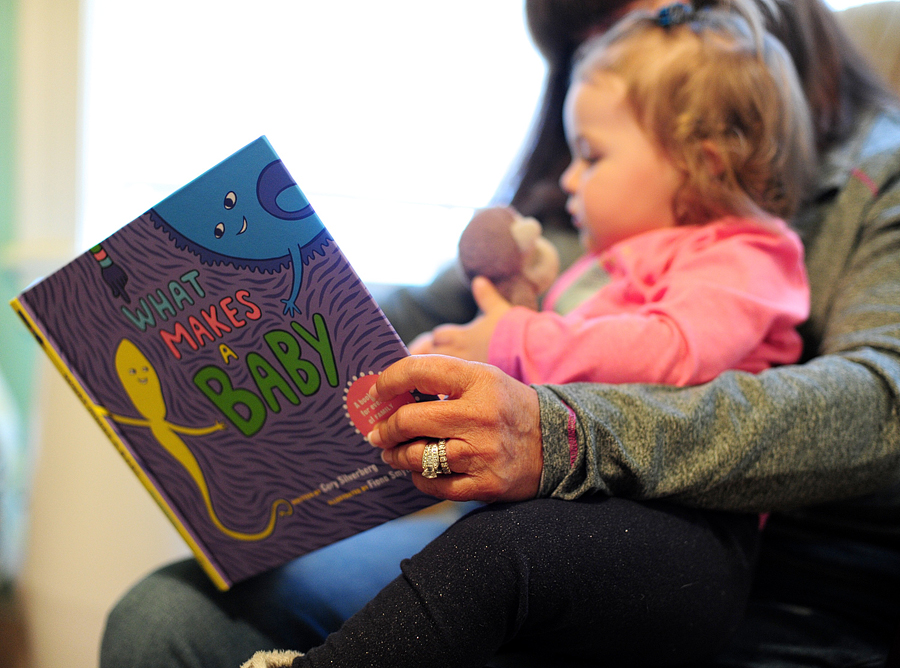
<point x="605" y="580"/>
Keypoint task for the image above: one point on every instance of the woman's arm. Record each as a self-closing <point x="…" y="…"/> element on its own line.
<point x="790" y="436"/>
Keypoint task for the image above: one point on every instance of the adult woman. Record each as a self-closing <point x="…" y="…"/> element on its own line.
<point x="791" y="437"/>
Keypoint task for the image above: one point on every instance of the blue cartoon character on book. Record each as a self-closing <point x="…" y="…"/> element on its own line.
<point x="248" y="212"/>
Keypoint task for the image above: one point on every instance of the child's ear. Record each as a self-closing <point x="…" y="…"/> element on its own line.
<point x="715" y="162"/>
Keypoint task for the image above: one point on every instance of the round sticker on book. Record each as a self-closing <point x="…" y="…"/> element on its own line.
<point x="363" y="411"/>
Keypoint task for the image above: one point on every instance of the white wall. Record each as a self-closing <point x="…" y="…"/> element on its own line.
<point x="93" y="530"/>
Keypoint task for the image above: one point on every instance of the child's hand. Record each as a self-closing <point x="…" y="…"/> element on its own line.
<point x="423" y="344"/>
<point x="471" y="342"/>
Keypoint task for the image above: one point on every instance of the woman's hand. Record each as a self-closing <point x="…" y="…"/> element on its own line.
<point x="490" y="421"/>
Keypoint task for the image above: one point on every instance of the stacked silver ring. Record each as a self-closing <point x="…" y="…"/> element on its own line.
<point x="430" y="461"/>
<point x="442" y="457"/>
<point x="434" y="459"/>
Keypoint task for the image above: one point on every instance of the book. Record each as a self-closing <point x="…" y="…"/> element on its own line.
<point x="226" y="346"/>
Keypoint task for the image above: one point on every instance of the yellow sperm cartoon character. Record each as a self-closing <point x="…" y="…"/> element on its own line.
<point x="141" y="383"/>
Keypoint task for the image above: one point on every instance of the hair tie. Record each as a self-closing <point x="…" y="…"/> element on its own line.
<point x="674" y="14"/>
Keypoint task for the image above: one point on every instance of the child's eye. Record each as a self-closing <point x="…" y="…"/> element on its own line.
<point x="584" y="151"/>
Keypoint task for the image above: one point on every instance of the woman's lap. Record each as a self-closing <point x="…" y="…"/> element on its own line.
<point x="609" y="579"/>
<point x="176" y="617"/>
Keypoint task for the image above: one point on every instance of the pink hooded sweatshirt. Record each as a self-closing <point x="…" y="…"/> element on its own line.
<point x="682" y="305"/>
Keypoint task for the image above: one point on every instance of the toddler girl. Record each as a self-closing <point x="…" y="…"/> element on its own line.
<point x="691" y="143"/>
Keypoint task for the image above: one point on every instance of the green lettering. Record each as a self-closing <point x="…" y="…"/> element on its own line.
<point x="162" y="305"/>
<point x="179" y="296"/>
<point x="191" y="277"/>
<point x="321" y="343"/>
<point x="228" y="399"/>
<point x="267" y="379"/>
<point x="287" y="351"/>
<point x="142" y="318"/>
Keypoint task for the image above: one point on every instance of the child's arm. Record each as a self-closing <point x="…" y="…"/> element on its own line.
<point x="423" y="344"/>
<point x="724" y="303"/>
<point x="471" y="341"/>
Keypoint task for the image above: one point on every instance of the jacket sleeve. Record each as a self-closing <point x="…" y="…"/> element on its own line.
<point x="413" y="310"/>
<point x="787" y="437"/>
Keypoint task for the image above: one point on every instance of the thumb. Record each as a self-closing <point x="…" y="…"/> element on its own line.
<point x="487" y="296"/>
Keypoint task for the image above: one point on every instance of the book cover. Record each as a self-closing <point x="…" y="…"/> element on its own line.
<point x="226" y="346"/>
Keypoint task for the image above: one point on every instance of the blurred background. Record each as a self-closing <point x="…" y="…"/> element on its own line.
<point x="396" y="118"/>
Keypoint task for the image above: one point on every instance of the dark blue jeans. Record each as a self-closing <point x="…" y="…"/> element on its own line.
<point x="607" y="581"/>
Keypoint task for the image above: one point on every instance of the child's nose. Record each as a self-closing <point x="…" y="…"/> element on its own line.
<point x="569" y="179"/>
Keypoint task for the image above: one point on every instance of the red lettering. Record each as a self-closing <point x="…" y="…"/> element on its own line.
<point x="180" y="334"/>
<point x="210" y="327"/>
<point x="199" y="330"/>
<point x="254" y="313"/>
<point x="231" y="313"/>
<point x="212" y="319"/>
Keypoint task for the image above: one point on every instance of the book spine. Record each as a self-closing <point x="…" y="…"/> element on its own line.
<point x="214" y="573"/>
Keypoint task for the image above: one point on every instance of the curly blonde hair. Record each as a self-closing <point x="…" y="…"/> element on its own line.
<point x="721" y="98"/>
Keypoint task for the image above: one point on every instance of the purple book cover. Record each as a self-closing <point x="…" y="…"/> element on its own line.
<point x="226" y="345"/>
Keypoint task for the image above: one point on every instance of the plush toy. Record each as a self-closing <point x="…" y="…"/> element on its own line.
<point x="274" y="659"/>
<point x="509" y="250"/>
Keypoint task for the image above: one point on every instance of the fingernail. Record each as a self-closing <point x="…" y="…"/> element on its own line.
<point x="385" y="457"/>
<point x="374" y="437"/>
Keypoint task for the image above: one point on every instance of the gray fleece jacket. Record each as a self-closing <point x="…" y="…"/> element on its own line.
<point x="826" y="430"/>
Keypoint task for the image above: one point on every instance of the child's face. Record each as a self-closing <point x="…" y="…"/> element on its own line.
<point x="619" y="183"/>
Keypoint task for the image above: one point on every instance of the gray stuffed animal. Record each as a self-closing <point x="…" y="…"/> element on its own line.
<point x="509" y="250"/>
